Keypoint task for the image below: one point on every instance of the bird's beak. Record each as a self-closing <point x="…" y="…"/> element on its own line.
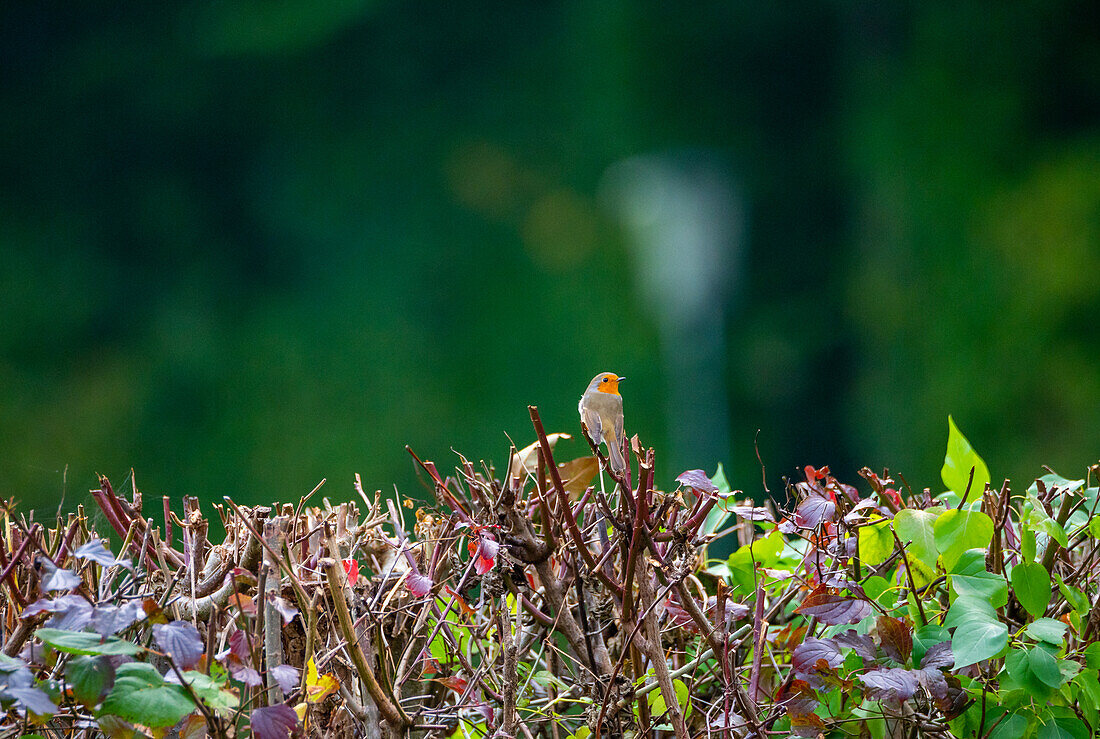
<point x="621" y="379"/>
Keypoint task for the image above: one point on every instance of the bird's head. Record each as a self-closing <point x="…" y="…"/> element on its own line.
<point x="606" y="382"/>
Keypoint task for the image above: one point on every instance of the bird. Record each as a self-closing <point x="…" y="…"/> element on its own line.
<point x="601" y="410"/>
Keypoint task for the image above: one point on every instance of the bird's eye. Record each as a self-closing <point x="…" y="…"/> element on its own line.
<point x="604" y="380"/>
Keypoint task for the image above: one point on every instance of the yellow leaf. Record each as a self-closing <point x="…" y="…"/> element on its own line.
<point x="318" y="687"/>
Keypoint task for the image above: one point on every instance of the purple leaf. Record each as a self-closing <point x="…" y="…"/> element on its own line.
<point x="71" y="612"/>
<point x="33" y="700"/>
<point x="243" y="672"/>
<point x="61" y="580"/>
<point x="107" y="620"/>
<point x="834" y="609"/>
<point x="286" y="676"/>
<point x="753" y="513"/>
<point x="283" y="606"/>
<point x="813" y="511"/>
<point x="805" y="656"/>
<point x="934" y="682"/>
<point x="100" y="554"/>
<point x="892" y="684"/>
<point x="938" y="655"/>
<point x="861" y="644"/>
<point x="274" y="722"/>
<point x="697" y="480"/>
<point x="180" y="641"/>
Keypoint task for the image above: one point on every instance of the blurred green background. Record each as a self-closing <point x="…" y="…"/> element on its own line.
<point x="248" y="244"/>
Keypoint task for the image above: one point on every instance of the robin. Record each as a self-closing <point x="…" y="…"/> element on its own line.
<point x="601" y="410"/>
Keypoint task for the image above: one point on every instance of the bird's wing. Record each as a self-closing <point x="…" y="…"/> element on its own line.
<point x="592" y="421"/>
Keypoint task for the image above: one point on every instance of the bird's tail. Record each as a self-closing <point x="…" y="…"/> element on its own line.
<point x="615" y="457"/>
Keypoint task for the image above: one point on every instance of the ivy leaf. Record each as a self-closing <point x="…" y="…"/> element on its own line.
<point x="82" y="642"/>
<point x="834" y="609"/>
<point x="957" y="463"/>
<point x="273" y="722"/>
<point x="91" y="678"/>
<point x="141" y="695"/>
<point x="1031" y="583"/>
<point x="957" y="531"/>
<point x="180" y="641"/>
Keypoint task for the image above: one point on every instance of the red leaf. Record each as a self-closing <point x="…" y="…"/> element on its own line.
<point x="807" y="724"/>
<point x="896" y="637"/>
<point x="454" y="682"/>
<point x="419" y="585"/>
<point x="834" y="609"/>
<point x="274" y="722"/>
<point x="351" y="568"/>
<point x="797" y="698"/>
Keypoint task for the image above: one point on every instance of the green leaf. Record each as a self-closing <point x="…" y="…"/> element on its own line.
<point x="1088" y="695"/>
<point x="1048" y="630"/>
<point x="878" y="589"/>
<point x="1059" y="722"/>
<point x="876" y="543"/>
<point x="720" y="512"/>
<point x="1073" y="596"/>
<point x="1031" y="583"/>
<point x="968" y="608"/>
<point x="742" y="563"/>
<point x="1040" y="521"/>
<point x="1092" y="656"/>
<point x="928" y="636"/>
<point x="212" y="691"/>
<point x="915" y="528"/>
<point x="1012" y="726"/>
<point x="959" y="530"/>
<point x="141" y="696"/>
<point x="1019" y="670"/>
<point x="657" y="705"/>
<point x="958" y="462"/>
<point x="971" y="578"/>
<point x="90" y="677"/>
<point x="978" y="639"/>
<point x="1044" y="666"/>
<point x="1094" y="527"/>
<point x="83" y="642"/>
